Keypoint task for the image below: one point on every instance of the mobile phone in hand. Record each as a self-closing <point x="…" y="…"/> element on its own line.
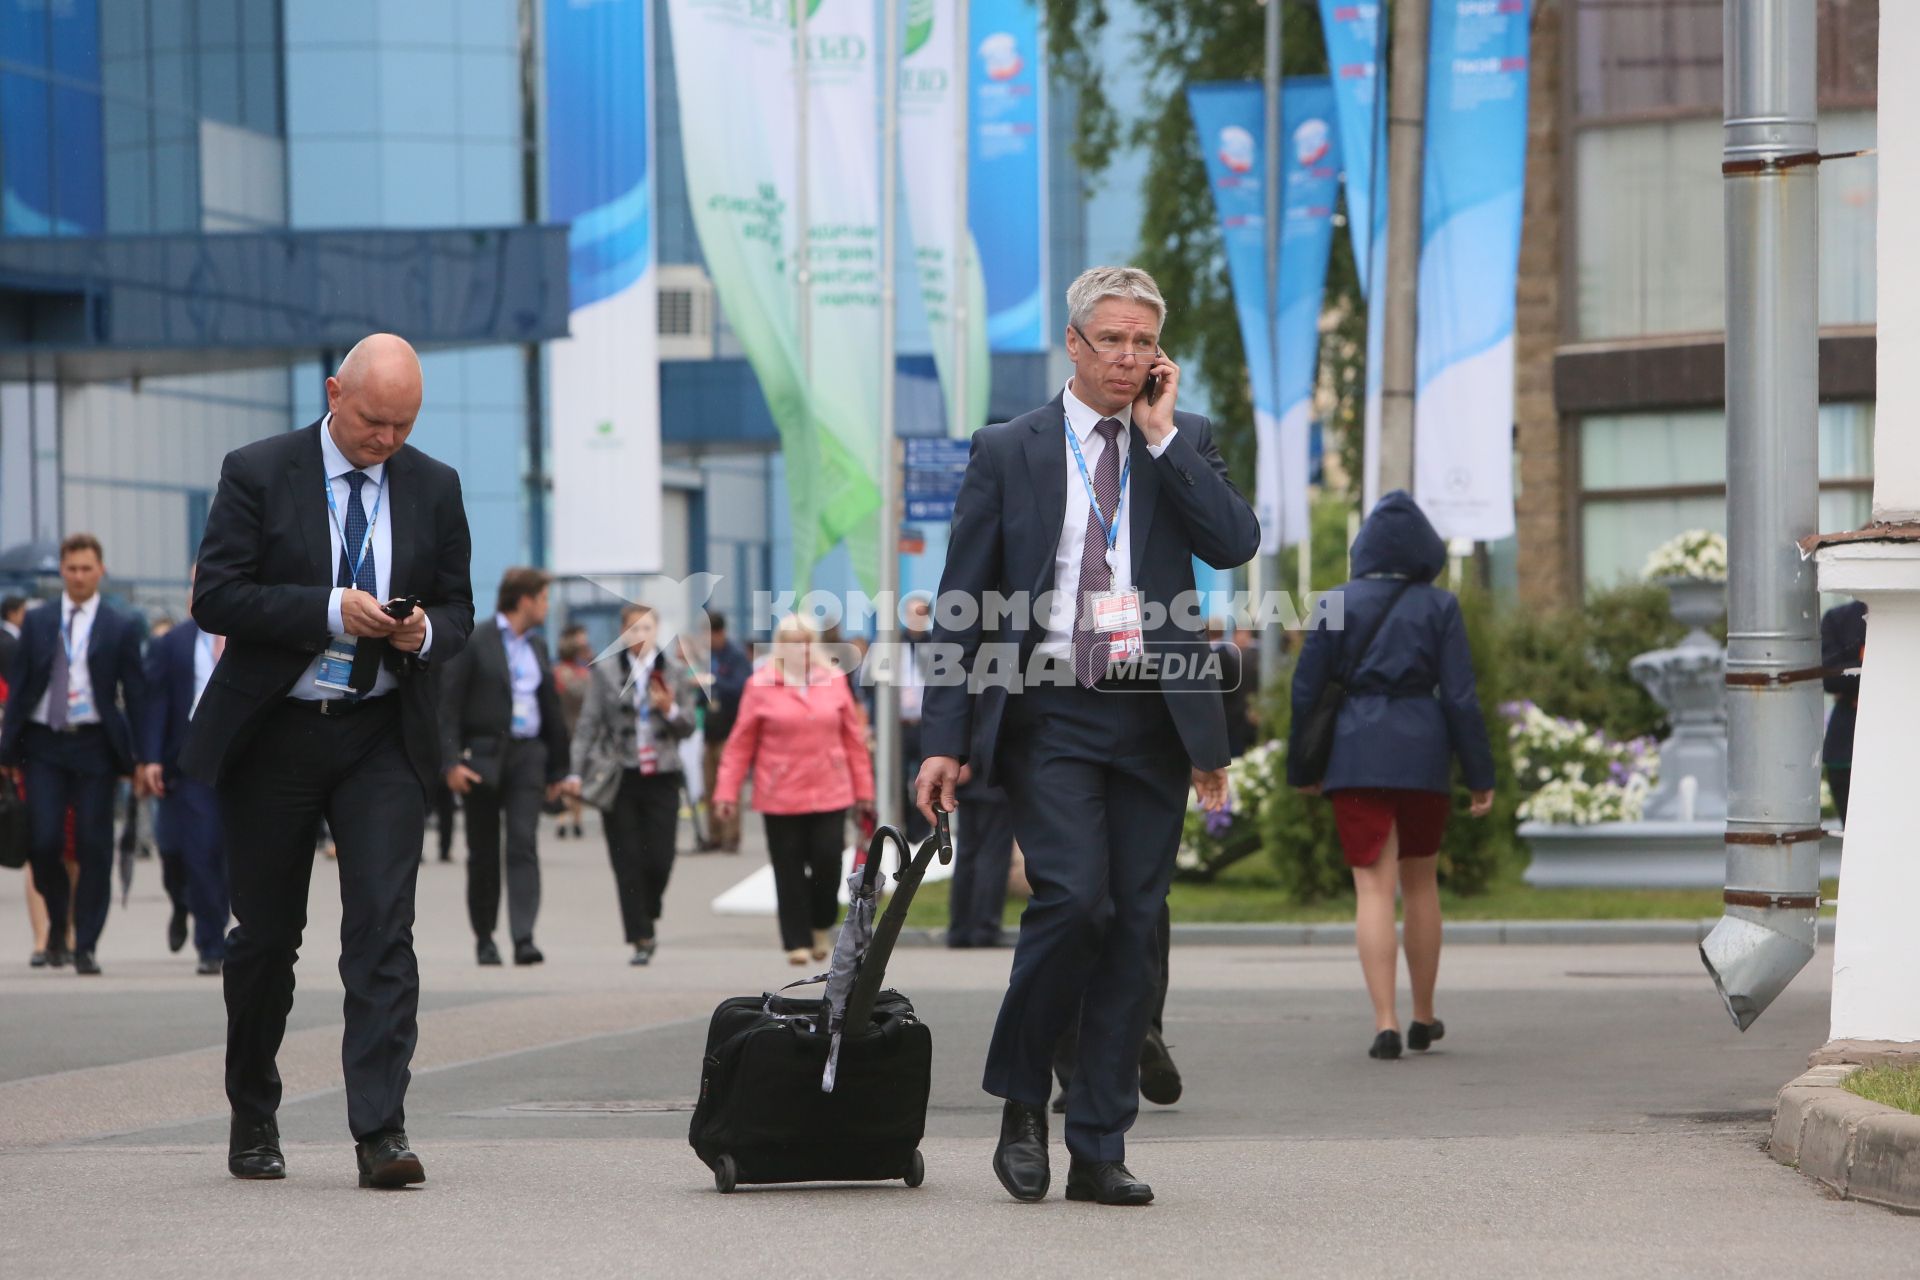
<point x="1153" y="388"/>
<point x="399" y="610"/>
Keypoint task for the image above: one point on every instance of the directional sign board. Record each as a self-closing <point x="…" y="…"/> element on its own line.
<point x="935" y="468"/>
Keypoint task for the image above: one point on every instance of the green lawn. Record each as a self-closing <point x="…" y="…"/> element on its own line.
<point x="1894" y="1086"/>
<point x="1249" y="892"/>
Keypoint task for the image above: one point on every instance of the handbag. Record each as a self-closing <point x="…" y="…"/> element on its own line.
<point x="14" y="833"/>
<point x="1311" y="747"/>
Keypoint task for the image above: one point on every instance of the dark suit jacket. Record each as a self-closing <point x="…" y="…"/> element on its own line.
<point x="267" y="569"/>
<point x="1843" y="640"/>
<point x="476" y="700"/>
<point x="113" y="661"/>
<point x="1006" y="528"/>
<point x="169" y="696"/>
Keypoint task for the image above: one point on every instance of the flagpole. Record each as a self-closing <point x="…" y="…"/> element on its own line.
<point x="962" y="423"/>
<point x="803" y="256"/>
<point x="1399" y="292"/>
<point x="1273" y="574"/>
<point x="887" y="764"/>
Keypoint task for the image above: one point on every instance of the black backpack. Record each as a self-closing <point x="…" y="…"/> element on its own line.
<point x="1310" y="745"/>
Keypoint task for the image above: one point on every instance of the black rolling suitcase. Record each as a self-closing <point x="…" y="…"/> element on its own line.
<point x="831" y="1089"/>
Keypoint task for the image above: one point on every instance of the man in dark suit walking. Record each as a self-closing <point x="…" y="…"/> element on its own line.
<point x="192" y="848"/>
<point x="505" y="749"/>
<point x="12" y="610"/>
<point x="76" y="684"/>
<point x="1094" y="507"/>
<point x="324" y="705"/>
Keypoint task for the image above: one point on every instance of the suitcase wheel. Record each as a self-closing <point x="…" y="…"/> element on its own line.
<point x="916" y="1170"/>
<point x="725" y="1172"/>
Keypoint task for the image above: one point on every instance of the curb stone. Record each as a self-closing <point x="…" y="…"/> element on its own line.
<point x="1862" y="1150"/>
<point x="1464" y="933"/>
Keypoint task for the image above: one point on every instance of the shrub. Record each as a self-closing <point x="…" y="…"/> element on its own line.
<point x="1575" y="662"/>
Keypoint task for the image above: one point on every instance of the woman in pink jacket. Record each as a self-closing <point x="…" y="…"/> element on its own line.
<point x="802" y="737"/>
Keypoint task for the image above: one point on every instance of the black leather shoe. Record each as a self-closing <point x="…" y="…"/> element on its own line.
<point x="487" y="952"/>
<point x="1105" y="1182"/>
<point x="84" y="963"/>
<point x="58" y="957"/>
<point x="38" y="960"/>
<point x="1159" y="1078"/>
<point x="1421" y="1035"/>
<point x="386" y="1162"/>
<point x="177" y="930"/>
<point x="210" y="968"/>
<point x="1385" y="1045"/>
<point x="1020" y="1161"/>
<point x="642" y="953"/>
<point x="527" y="953"/>
<point x="253" y="1150"/>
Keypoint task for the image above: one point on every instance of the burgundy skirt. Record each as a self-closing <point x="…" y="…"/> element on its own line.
<point x="1365" y="815"/>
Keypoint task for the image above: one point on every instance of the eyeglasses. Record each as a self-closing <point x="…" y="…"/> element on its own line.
<point x="1118" y="350"/>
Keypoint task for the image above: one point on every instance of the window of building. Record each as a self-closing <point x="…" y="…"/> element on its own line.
<point x="1645" y="477"/>
<point x="1651" y="233"/>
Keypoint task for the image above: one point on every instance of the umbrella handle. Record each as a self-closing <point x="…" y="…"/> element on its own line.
<point x="876" y="847"/>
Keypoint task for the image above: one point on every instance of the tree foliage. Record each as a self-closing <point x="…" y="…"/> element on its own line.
<point x="1139" y="102"/>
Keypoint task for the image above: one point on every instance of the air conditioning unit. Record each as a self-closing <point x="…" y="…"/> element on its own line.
<point x="686" y="313"/>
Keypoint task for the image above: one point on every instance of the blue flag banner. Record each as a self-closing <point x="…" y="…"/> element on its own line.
<point x="603" y="380"/>
<point x="1006" y="176"/>
<point x="1359" y="93"/>
<point x="1476" y="165"/>
<point x="1230" y="119"/>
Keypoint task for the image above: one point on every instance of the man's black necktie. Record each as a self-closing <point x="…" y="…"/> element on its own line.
<point x="366" y="656"/>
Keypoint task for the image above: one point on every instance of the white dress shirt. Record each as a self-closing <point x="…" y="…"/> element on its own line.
<point x="79" y="675"/>
<point x="523" y="674"/>
<point x="203" y="664"/>
<point x="1082" y="419"/>
<point x="373" y="491"/>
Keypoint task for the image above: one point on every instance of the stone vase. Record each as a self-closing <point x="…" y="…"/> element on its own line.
<point x="1689" y="681"/>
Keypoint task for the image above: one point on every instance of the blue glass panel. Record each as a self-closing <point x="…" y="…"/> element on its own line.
<point x="26" y="168"/>
<point x="79" y="167"/>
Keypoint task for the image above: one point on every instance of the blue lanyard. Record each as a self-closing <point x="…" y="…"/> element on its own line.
<point x="1109" y="527"/>
<point x="354" y="562"/>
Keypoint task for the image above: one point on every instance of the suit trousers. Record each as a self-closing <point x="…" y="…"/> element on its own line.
<point x="1066" y="1050"/>
<point x="982" y="859"/>
<point x="353" y="771"/>
<point x="71" y="769"/>
<point x="1097" y="781"/>
<point x="642" y="826"/>
<point x="522" y="790"/>
<point x="193" y="854"/>
<point x="805" y="850"/>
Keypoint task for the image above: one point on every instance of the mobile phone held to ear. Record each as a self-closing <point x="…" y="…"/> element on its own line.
<point x="1153" y="388"/>
<point x="399" y="610"/>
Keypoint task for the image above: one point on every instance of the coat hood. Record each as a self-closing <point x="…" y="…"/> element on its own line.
<point x="1399" y="541"/>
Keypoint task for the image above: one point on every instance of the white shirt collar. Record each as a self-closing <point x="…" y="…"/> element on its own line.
<point x="336" y="462"/>
<point x="68" y="609"/>
<point x="1083" y="418"/>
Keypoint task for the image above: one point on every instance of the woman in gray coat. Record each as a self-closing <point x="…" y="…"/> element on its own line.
<point x="626" y="753"/>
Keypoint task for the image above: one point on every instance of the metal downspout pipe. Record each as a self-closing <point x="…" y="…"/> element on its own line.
<point x="1771" y="169"/>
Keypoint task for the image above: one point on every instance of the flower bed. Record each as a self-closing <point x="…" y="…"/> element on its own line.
<point x="1574" y="775"/>
<point x="1697" y="553"/>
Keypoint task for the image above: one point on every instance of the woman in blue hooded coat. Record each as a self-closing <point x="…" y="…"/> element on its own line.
<point x="1410" y="710"/>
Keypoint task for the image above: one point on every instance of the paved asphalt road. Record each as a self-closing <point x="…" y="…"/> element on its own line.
<point x="1592" y="1112"/>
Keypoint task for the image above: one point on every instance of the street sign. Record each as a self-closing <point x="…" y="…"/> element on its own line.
<point x="935" y="468"/>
